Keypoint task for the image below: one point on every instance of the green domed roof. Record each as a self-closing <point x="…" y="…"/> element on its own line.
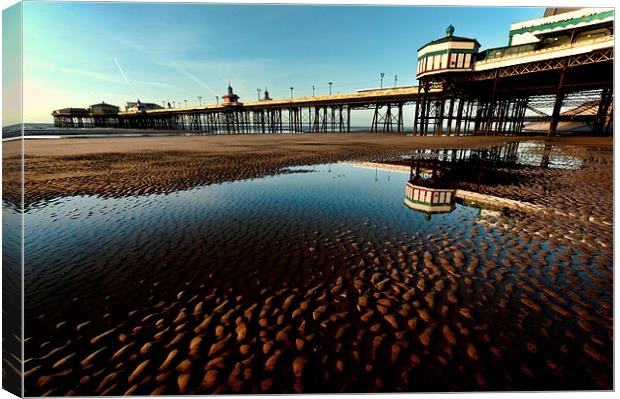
<point x="449" y="30"/>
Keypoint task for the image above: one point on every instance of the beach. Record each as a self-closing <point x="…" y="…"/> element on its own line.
<point x="264" y="264"/>
<point x="138" y="165"/>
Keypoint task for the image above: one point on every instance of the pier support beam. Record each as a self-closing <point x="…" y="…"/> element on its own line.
<point x="490" y="115"/>
<point x="602" y="116"/>
<point x="389" y="120"/>
<point x="559" y="99"/>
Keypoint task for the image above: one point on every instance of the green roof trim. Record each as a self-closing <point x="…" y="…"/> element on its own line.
<point x="451" y="51"/>
<point x="427" y="203"/>
<point x="562" y="24"/>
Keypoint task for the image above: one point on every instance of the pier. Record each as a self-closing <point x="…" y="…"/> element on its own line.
<point x="563" y="60"/>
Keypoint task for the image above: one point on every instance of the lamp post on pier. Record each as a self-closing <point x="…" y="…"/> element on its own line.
<point x="312" y="90"/>
<point x="217" y="99"/>
<point x="291" y="91"/>
<point x="200" y="100"/>
<point x="395" y="80"/>
<point x="185" y="103"/>
<point x="330" y="88"/>
<point x="382" y="75"/>
<point x="258" y="95"/>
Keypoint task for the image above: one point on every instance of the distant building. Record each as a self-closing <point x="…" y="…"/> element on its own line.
<point x="103" y="109"/>
<point x="139" y="106"/>
<point x="230" y="98"/>
<point x="70" y="112"/>
<point x="72" y="117"/>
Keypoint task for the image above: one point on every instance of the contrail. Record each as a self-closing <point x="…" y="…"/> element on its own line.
<point x="125" y="77"/>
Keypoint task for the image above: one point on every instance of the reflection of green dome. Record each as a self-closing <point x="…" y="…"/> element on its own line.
<point x="449" y="30"/>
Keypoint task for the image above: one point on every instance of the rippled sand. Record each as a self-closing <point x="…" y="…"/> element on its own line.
<point x="141" y="165"/>
<point x="509" y="300"/>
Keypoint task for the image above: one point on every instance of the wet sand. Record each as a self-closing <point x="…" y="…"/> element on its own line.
<point x="140" y="165"/>
<point x="527" y="307"/>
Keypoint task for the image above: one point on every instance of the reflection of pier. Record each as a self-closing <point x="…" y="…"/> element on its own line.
<point x="437" y="177"/>
<point x="552" y="62"/>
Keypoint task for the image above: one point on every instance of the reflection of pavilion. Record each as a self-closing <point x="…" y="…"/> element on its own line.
<point x="429" y="200"/>
<point x="435" y="175"/>
<point x="426" y="189"/>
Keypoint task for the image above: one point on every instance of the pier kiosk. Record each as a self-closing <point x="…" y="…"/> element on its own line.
<point x="450" y="53"/>
<point x="230" y="98"/>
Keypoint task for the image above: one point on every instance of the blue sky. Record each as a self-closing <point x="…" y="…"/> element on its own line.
<point x="176" y="52"/>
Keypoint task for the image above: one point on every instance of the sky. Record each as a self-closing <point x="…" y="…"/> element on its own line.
<point x="11" y="62"/>
<point x="77" y="54"/>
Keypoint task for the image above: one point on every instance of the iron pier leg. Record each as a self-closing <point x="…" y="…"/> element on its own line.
<point x="400" y="123"/>
<point x="459" y="116"/>
<point x="317" y="120"/>
<point x="375" y="119"/>
<point x="491" y="109"/>
<point x="348" y="118"/>
<point x="450" y="112"/>
<point x="424" y="111"/>
<point x="441" y="110"/>
<point x="387" y="120"/>
<point x="559" y="99"/>
<point x="417" y="111"/>
<point x="280" y="118"/>
<point x="603" y="110"/>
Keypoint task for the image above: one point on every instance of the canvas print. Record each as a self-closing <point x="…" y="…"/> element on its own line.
<point x="215" y="198"/>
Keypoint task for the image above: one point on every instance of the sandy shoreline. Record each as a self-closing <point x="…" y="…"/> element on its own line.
<point x="262" y="143"/>
<point x="139" y="165"/>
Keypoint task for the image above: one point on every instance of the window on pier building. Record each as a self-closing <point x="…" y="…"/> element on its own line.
<point x="447" y="53"/>
<point x="593" y="34"/>
<point x="555" y="41"/>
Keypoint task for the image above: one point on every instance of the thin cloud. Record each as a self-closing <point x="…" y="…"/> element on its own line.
<point x="150" y="52"/>
<point x="125" y="77"/>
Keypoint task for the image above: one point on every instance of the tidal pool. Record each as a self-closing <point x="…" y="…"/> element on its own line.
<point x="319" y="279"/>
